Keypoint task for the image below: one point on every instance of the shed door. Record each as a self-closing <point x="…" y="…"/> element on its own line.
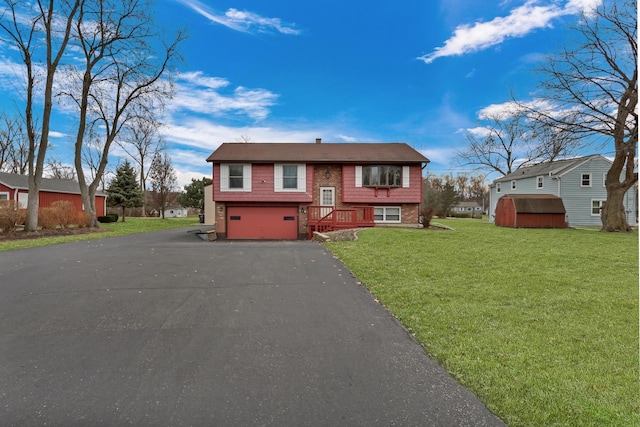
<point x="262" y="222"/>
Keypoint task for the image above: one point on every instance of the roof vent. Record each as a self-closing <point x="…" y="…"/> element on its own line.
<point x="318" y="140"/>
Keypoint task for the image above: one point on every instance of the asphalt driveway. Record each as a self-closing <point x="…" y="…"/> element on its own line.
<point x="165" y="329"/>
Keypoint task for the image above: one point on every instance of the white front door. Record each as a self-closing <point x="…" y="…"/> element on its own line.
<point x="328" y="199"/>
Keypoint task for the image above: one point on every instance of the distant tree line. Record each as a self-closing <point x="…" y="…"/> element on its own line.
<point x="441" y="192"/>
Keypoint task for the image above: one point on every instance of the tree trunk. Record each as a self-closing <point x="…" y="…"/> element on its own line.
<point x="123" y="208"/>
<point x="89" y="202"/>
<point x="614" y="217"/>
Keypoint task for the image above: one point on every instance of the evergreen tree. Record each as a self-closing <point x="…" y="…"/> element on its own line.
<point x="193" y="195"/>
<point x="124" y="189"/>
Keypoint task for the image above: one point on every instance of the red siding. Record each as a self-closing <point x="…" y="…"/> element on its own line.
<point x="353" y="194"/>
<point x="46" y="199"/>
<point x="262" y="187"/>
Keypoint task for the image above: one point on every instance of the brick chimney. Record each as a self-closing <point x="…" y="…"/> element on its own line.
<point x="318" y="140"/>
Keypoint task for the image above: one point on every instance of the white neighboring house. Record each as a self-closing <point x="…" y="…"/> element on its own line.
<point x="578" y="181"/>
<point x="175" y="212"/>
<point x="471" y="208"/>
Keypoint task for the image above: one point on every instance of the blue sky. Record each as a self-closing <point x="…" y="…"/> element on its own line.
<point x="414" y="71"/>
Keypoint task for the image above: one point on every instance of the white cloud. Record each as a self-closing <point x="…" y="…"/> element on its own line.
<point x="347" y="138"/>
<point x="201" y="94"/>
<point x="242" y="20"/>
<point x="521" y="21"/>
<point x="442" y="156"/>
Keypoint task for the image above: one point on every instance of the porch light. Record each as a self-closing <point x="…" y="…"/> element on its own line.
<point x="327" y="174"/>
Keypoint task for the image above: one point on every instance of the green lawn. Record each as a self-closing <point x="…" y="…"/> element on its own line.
<point x="542" y="325"/>
<point x="131" y="225"/>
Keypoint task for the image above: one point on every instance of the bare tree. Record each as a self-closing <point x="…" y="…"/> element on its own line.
<point x="163" y="179"/>
<point x="119" y="81"/>
<point x="141" y="141"/>
<point x="515" y="137"/>
<point x="591" y="88"/>
<point x="13" y="143"/>
<point x="499" y="146"/>
<point x="58" y="170"/>
<point x="40" y="32"/>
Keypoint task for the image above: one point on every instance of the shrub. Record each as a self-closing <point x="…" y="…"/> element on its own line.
<point x="81" y="219"/>
<point x="114" y="216"/>
<point x="65" y="213"/>
<point x="48" y="218"/>
<point x="105" y="219"/>
<point x="426" y="214"/>
<point x="10" y="217"/>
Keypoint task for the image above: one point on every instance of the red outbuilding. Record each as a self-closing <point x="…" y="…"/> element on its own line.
<point x="530" y="211"/>
<point x="16" y="188"/>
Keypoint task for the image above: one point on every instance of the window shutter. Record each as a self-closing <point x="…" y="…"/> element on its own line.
<point x="246" y="177"/>
<point x="358" y="176"/>
<point x="277" y="175"/>
<point x="302" y="177"/>
<point x="224" y="177"/>
<point x="406" y="176"/>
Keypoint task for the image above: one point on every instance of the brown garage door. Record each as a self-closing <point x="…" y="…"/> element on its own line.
<point x="262" y="223"/>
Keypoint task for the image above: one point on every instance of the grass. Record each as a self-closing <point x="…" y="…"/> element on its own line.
<point x="542" y="325"/>
<point x="132" y="225"/>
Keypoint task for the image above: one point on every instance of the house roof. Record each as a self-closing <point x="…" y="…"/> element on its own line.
<point x="554" y="168"/>
<point x="21" y="182"/>
<point x="317" y="153"/>
<point x="536" y="203"/>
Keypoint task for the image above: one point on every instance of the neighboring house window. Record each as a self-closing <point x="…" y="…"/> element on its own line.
<point x="513" y="185"/>
<point x="498" y="187"/>
<point x="595" y="207"/>
<point x="290" y="178"/>
<point x="386" y="214"/>
<point x="235" y="177"/>
<point x="382" y="175"/>
<point x="4" y="196"/>
<point x="585" y="180"/>
<point x="540" y="182"/>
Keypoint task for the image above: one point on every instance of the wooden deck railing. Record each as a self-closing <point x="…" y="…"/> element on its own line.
<point x="324" y="219"/>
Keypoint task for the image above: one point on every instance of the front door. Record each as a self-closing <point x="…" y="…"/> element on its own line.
<point x="327" y="200"/>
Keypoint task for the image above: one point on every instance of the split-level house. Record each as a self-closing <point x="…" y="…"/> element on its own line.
<point x="579" y="182"/>
<point x="290" y="190"/>
<point x="15" y="187"/>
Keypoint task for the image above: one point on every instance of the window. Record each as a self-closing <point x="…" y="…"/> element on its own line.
<point x="382" y="176"/>
<point x="23" y="200"/>
<point x="386" y="214"/>
<point x="236" y="180"/>
<point x="595" y="207"/>
<point x="540" y="182"/>
<point x="513" y="185"/>
<point x="585" y="180"/>
<point x="498" y="190"/>
<point x="290" y="178"/>
<point x="235" y="177"/>
<point x="4" y="196"/>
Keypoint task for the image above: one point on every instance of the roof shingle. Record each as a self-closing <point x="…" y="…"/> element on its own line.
<point x="317" y="153"/>
<point x="16" y="181"/>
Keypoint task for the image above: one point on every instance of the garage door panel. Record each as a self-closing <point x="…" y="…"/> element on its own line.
<point x="262" y="222"/>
